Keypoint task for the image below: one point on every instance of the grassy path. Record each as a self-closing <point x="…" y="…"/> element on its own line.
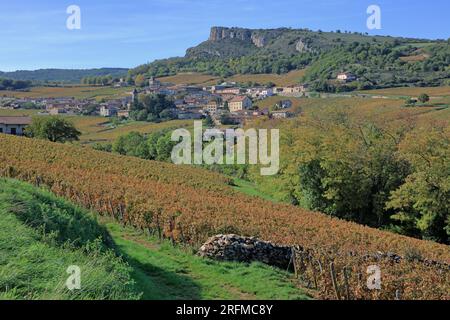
<point x="164" y="272"/>
<point x="251" y="189"/>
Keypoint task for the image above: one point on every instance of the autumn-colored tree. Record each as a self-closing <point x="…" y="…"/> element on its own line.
<point x="348" y="168"/>
<point x="423" y="202"/>
<point x="140" y="81"/>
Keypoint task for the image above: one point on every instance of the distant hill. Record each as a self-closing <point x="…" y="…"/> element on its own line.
<point x="378" y="61"/>
<point x="62" y="75"/>
<point x="235" y="42"/>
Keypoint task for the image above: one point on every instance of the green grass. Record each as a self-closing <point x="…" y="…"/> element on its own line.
<point x="165" y="272"/>
<point x="41" y="235"/>
<point x="253" y="189"/>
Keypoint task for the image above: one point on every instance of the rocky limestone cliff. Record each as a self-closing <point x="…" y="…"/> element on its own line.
<point x="258" y="40"/>
<point x="247" y="35"/>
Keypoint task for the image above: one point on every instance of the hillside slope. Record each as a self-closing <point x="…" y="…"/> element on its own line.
<point x="377" y="61"/>
<point x="62" y="75"/>
<point x="189" y="205"/>
<point x="41" y="235"/>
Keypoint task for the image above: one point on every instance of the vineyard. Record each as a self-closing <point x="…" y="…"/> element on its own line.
<point x="78" y="92"/>
<point x="99" y="130"/>
<point x="189" y="205"/>
<point x="194" y="78"/>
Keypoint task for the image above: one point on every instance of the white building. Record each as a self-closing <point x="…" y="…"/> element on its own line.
<point x="346" y="77"/>
<point x="14" y="125"/>
<point x="260" y="92"/>
<point x="281" y="114"/>
<point x="239" y="103"/>
<point x="108" y="111"/>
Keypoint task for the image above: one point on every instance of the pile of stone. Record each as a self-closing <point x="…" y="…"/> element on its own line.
<point x="232" y="247"/>
<point x="243" y="249"/>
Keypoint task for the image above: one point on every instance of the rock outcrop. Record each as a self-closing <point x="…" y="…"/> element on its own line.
<point x="221" y="33"/>
<point x="247" y="35"/>
<point x="258" y="40"/>
<point x="302" y="47"/>
<point x="242" y="249"/>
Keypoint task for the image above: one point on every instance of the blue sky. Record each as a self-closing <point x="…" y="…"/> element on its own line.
<point x="127" y="33"/>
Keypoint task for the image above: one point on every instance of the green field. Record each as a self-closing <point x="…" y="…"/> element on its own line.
<point x="255" y="190"/>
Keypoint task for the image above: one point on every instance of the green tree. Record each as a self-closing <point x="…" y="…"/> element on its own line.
<point x="347" y="167"/>
<point x="139" y="80"/>
<point x="55" y="129"/>
<point x="424" y="98"/>
<point x="131" y="144"/>
<point x="89" y="110"/>
<point x="422" y="203"/>
<point x="150" y="108"/>
<point x="209" y="121"/>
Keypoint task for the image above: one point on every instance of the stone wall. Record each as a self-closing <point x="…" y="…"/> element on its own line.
<point x="232" y="247"/>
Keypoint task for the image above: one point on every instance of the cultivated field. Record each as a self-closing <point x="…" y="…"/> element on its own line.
<point x="32" y="265"/>
<point x="382" y="109"/>
<point x="193" y="78"/>
<point x="78" y="92"/>
<point x="288" y="79"/>
<point x="416" y="91"/>
<point x="100" y="130"/>
<point x="188" y="205"/>
<point x="17" y="112"/>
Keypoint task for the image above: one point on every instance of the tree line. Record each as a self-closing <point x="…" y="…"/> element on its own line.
<point x="9" y="84"/>
<point x="104" y="80"/>
<point x="388" y="173"/>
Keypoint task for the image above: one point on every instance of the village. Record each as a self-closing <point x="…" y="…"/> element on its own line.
<point x="227" y="103"/>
